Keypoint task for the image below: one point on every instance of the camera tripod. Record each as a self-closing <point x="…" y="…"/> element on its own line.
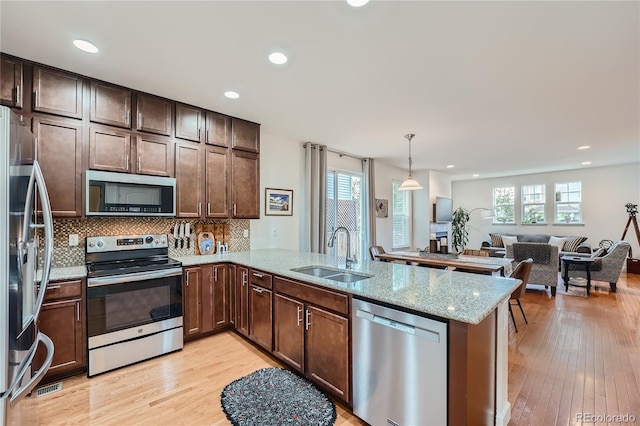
<point x="632" y="209"/>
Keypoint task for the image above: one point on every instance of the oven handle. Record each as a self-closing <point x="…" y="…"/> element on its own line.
<point x="138" y="276"/>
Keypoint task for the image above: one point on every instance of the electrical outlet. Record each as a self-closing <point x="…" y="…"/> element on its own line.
<point x="73" y="240"/>
<point x="245" y="233"/>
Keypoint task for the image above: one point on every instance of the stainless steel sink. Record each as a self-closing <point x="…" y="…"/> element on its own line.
<point x="331" y="274"/>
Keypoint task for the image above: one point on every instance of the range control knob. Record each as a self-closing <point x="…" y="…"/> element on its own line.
<point x="100" y="244"/>
<point x="149" y="239"/>
<point x="92" y="244"/>
<point x="164" y="240"/>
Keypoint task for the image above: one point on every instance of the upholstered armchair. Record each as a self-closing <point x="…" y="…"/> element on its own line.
<point x="545" y="262"/>
<point x="606" y="268"/>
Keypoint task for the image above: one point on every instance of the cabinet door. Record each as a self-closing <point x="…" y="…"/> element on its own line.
<point x="26" y="141"/>
<point x="62" y="322"/>
<point x="59" y="152"/>
<point x="57" y="92"/>
<point x="245" y="185"/>
<point x="260" y="316"/>
<point x="192" y="301"/>
<point x="242" y="300"/>
<point x="110" y="104"/>
<point x="189" y="123"/>
<point x="109" y="149"/>
<point x="220" y="295"/>
<point x="231" y="300"/>
<point x="154" y="155"/>
<point x="11" y="85"/>
<point x="217" y="192"/>
<point x="288" y="325"/>
<point x="154" y="114"/>
<point x="218" y="129"/>
<point x="188" y="180"/>
<point x="207" y="298"/>
<point x="245" y="135"/>
<point x="327" y="350"/>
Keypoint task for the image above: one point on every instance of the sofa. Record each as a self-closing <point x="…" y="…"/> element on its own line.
<point x="574" y="244"/>
<point x="544" y="270"/>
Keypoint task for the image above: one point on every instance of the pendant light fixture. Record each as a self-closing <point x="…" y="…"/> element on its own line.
<point x="410" y="184"/>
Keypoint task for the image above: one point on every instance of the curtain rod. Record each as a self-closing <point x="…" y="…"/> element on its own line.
<point x="345" y="154"/>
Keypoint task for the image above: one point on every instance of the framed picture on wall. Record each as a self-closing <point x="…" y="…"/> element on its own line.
<point x="382" y="207"/>
<point x="278" y="202"/>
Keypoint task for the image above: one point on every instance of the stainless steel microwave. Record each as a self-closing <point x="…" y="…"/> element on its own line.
<point x="123" y="194"/>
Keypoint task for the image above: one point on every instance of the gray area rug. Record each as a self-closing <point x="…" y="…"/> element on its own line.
<point x="275" y="396"/>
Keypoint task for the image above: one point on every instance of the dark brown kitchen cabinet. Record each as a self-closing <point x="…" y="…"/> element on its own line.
<point x="242" y="300"/>
<point x="206" y="297"/>
<point x="110" y="104"/>
<point x="27" y="147"/>
<point x="220" y="293"/>
<point x="189" y="122"/>
<point x="154" y="114"/>
<point x="260" y="316"/>
<point x="245" y="185"/>
<point x="288" y="328"/>
<point x="218" y="129"/>
<point x="109" y="149"/>
<point x="192" y="302"/>
<point x="217" y="188"/>
<point x="231" y="285"/>
<point x="188" y="175"/>
<point x="11" y="84"/>
<point x="245" y="135"/>
<point x="62" y="319"/>
<point x="154" y="155"/>
<point x="59" y="152"/>
<point x="57" y="92"/>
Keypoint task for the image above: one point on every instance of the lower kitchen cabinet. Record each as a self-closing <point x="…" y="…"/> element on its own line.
<point x="242" y="300"/>
<point x="206" y="306"/>
<point x="288" y="326"/>
<point x="260" y="316"/>
<point x="62" y="319"/>
<point x="192" y="303"/>
<point x="231" y="300"/>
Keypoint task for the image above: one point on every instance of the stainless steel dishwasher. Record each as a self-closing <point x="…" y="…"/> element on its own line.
<point x="399" y="367"/>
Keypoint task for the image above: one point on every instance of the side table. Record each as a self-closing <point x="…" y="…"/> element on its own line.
<point x="582" y="262"/>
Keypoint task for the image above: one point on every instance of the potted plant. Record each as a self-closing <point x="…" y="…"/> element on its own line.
<point x="459" y="233"/>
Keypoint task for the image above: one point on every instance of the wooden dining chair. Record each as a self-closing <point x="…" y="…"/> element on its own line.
<point x="521" y="272"/>
<point x="471" y="252"/>
<point x="374" y="251"/>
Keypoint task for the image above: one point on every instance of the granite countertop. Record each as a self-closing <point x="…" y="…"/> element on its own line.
<point x="458" y="296"/>
<point x="66" y="273"/>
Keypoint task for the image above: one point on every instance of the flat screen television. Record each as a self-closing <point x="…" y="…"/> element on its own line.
<point x="443" y="210"/>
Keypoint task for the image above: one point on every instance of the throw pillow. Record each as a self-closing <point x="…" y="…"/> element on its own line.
<point x="557" y="241"/>
<point x="496" y="240"/>
<point x="572" y="243"/>
<point x="508" y="240"/>
<point x="598" y="253"/>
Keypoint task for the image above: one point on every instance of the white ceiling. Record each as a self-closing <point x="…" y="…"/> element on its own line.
<point x="495" y="88"/>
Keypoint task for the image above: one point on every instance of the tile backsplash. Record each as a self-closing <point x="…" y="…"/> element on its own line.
<point x="63" y="255"/>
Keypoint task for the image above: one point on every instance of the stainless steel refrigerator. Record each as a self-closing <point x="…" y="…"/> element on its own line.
<point x="23" y="195"/>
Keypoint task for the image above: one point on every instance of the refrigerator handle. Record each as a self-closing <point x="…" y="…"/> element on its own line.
<point x="18" y="394"/>
<point x="48" y="237"/>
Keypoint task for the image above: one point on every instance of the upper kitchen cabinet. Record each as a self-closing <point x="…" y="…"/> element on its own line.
<point x="189" y="122"/>
<point x="109" y="149"/>
<point x="59" y="152"/>
<point x="110" y="104"/>
<point x="154" y="114"/>
<point x="57" y="92"/>
<point x="188" y="180"/>
<point x="217" y="188"/>
<point x="218" y="128"/>
<point x="245" y="135"/>
<point x="154" y="155"/>
<point x="245" y="185"/>
<point x="11" y="84"/>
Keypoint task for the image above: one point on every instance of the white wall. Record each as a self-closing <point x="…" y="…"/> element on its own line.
<point x="605" y="191"/>
<point x="385" y="175"/>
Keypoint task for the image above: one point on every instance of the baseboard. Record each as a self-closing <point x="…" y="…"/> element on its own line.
<point x="504" y="416"/>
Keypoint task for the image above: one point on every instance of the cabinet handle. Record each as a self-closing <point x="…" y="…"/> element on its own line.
<point x="244" y="278"/>
<point x="207" y="135"/>
<point x="35" y="98"/>
<point x="256" y="289"/>
<point x="17" y="94"/>
<point x="308" y="322"/>
<point x="52" y="287"/>
<point x="128" y="117"/>
<point x="187" y="276"/>
<point x="258" y="275"/>
<point x="78" y="311"/>
<point x="139" y="120"/>
<point x="215" y="274"/>
<point x="139" y="164"/>
<point x="234" y="209"/>
<point x="35" y="147"/>
<point x="208" y="209"/>
<point x="199" y="208"/>
<point x="299" y="315"/>
<point x="126" y="161"/>
<point x="198" y="133"/>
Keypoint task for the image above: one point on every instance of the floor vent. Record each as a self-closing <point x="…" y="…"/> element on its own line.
<point x="46" y="390"/>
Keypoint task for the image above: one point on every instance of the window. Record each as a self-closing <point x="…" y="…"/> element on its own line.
<point x="569" y="202"/>
<point x="533" y="204"/>
<point x="344" y="208"/>
<point x="504" y="200"/>
<point x="401" y="215"/>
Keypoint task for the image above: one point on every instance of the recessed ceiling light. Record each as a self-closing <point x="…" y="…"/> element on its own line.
<point x="357" y="3"/>
<point x="278" y="58"/>
<point x="586" y="163"/>
<point x="85" y="46"/>
<point x="476" y="175"/>
<point x="450" y="166"/>
<point x="584" y="147"/>
<point x="231" y="94"/>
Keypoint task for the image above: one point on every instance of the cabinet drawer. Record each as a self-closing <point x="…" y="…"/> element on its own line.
<point x="260" y="278"/>
<point x="63" y="290"/>
<point x="336" y="302"/>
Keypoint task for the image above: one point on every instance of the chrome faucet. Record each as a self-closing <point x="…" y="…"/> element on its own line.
<point x="349" y="260"/>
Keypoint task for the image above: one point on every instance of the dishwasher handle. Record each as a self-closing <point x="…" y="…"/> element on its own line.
<point x="399" y="326"/>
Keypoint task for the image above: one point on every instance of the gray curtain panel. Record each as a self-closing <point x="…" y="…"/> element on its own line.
<point x="369" y="213"/>
<point x="315" y="228"/>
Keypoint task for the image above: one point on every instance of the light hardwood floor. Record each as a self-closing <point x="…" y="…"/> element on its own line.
<point x="575" y="355"/>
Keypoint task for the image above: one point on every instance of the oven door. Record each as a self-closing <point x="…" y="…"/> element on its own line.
<point x="130" y="306"/>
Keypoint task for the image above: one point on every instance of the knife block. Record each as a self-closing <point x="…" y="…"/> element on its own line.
<point x="213" y="231"/>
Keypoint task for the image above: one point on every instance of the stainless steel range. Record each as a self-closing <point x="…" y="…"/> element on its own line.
<point x="134" y="300"/>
